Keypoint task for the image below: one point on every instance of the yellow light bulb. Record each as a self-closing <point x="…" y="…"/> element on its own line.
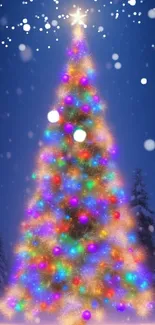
<point x="103" y="234"/>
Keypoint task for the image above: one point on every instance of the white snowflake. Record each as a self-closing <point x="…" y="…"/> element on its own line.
<point x="8" y="155"/>
<point x="132" y="2"/>
<point x="151" y="228"/>
<point x="149" y="145"/>
<point x="151" y="13"/>
<point x="26" y="54"/>
<point x="19" y="91"/>
<point x="30" y="134"/>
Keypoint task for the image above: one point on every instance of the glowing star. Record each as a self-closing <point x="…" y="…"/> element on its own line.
<point x="78" y="18"/>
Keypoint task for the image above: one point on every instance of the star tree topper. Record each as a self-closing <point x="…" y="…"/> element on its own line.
<point x="78" y="18"/>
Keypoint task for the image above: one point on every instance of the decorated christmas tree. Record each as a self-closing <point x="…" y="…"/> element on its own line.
<point x="78" y="253"/>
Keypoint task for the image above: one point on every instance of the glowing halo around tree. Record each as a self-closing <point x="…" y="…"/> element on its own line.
<point x="78" y="252"/>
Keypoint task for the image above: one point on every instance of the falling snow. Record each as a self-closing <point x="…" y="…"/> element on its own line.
<point x="30" y="134"/>
<point x="115" y="56"/>
<point x="118" y="65"/>
<point x="151" y="228"/>
<point x="22" y="47"/>
<point x="45" y="24"/>
<point x="8" y="155"/>
<point x="149" y="145"/>
<point x="132" y="2"/>
<point x="26" y="53"/>
<point x="151" y="13"/>
<point x="26" y="27"/>
<point x="143" y="81"/>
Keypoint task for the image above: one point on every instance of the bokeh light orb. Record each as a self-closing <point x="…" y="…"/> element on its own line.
<point x="118" y="65"/>
<point x="92" y="248"/>
<point x="22" y="47"/>
<point x="76" y="281"/>
<point x="116" y="215"/>
<point x="53" y="116"/>
<point x="42" y="265"/>
<point x="149" y="145"/>
<point x="54" y="23"/>
<point x="80" y="135"/>
<point x="86" y="108"/>
<point x="151" y="13"/>
<point x="57" y="251"/>
<point x="65" y="78"/>
<point x="96" y="98"/>
<point x="84" y="81"/>
<point x="120" y="307"/>
<point x="115" y="56"/>
<point x="47" y="25"/>
<point x="56" y="296"/>
<point x="83" y="219"/>
<point x="69" y="100"/>
<point x="26" y="53"/>
<point x="37" y="320"/>
<point x="73" y="201"/>
<point x="151" y="228"/>
<point x="68" y="128"/>
<point x="143" y="81"/>
<point x="26" y="27"/>
<point x="95" y="304"/>
<point x="86" y="315"/>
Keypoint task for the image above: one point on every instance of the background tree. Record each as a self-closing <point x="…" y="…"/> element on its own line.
<point x="144" y="215"/>
<point x="3" y="268"/>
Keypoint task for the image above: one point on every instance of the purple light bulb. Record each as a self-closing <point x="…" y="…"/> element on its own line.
<point x="92" y="248"/>
<point x="42" y="265"/>
<point x="83" y="219"/>
<point x="57" y="251"/>
<point x="120" y="307"/>
<point x="65" y="78"/>
<point x="69" y="100"/>
<point x="56" y="296"/>
<point x="74" y="201"/>
<point x="96" y="98"/>
<point x="11" y="302"/>
<point x="69" y="53"/>
<point x="68" y="128"/>
<point x="86" y="315"/>
<point x="84" y="81"/>
<point x="86" y="108"/>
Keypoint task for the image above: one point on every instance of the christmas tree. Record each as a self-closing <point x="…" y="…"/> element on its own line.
<point x="3" y="268"/>
<point x="78" y="251"/>
<point x="144" y="216"/>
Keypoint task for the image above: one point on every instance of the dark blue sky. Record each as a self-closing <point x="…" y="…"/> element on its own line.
<point x="28" y="89"/>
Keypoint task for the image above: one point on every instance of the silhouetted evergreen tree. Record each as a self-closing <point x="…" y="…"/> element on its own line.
<point x="144" y="216"/>
<point x="3" y="268"/>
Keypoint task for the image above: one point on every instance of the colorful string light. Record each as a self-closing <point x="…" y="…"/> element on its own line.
<point x="78" y="238"/>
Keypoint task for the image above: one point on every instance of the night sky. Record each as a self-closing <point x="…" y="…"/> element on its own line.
<point x="30" y="75"/>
